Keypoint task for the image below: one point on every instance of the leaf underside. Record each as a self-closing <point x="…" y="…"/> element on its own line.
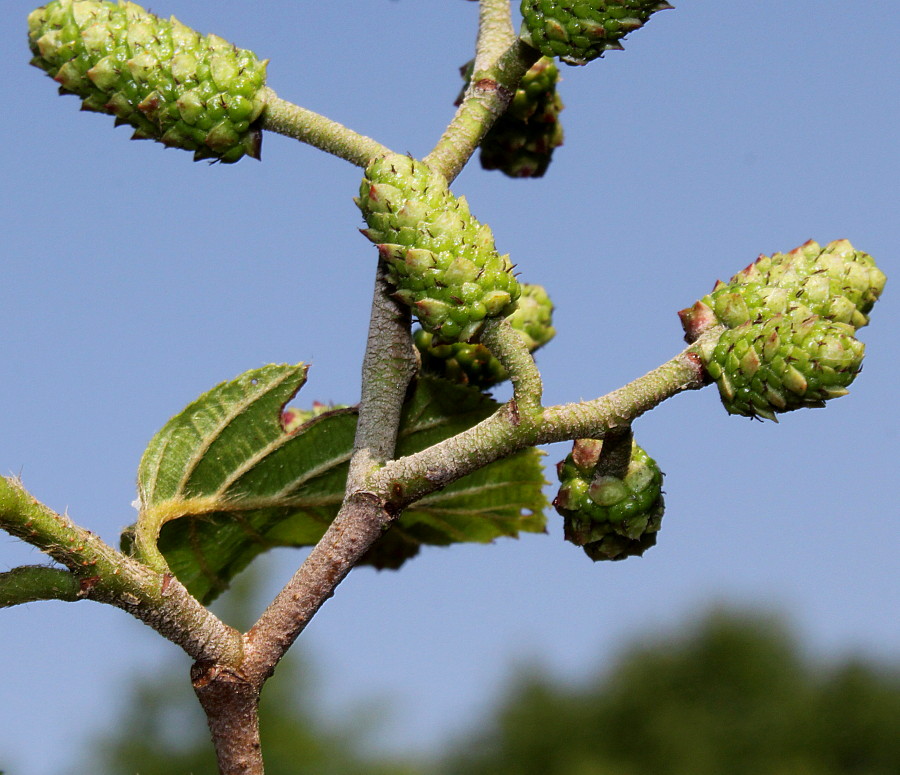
<point x="223" y="481"/>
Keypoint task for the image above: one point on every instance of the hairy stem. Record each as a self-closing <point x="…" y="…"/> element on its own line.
<point x="146" y="534"/>
<point x="231" y="704"/>
<point x="285" y="118"/>
<point x="500" y="62"/>
<point x="590" y="419"/>
<point x="388" y="366"/>
<point x="29" y="583"/>
<point x="508" y="346"/>
<point x="108" y="576"/>
<point x="495" y="29"/>
<point x="230" y="697"/>
<point x="407" y="479"/>
<point x="360" y="522"/>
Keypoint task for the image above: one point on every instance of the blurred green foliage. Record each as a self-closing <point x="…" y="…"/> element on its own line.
<point x="732" y="694"/>
<point x="164" y="733"/>
<point x="163" y="729"/>
<point x="735" y="695"/>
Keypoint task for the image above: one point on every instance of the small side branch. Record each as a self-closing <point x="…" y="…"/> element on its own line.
<point x="502" y="434"/>
<point x="500" y="63"/>
<point x="108" y="576"/>
<point x="507" y="345"/>
<point x="367" y="514"/>
<point x="591" y="419"/>
<point x="29" y="583"/>
<point x="286" y="118"/>
<point x="615" y="455"/>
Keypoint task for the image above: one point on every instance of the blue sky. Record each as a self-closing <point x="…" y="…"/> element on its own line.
<point x="134" y="279"/>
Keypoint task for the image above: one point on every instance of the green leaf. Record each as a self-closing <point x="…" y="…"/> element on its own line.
<point x="223" y="481"/>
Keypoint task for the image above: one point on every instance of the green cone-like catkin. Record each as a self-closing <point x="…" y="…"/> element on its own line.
<point x="441" y="261"/>
<point x="521" y="142"/>
<point x="534" y="316"/>
<point x="473" y="364"/>
<point x="836" y="282"/>
<point x="579" y="31"/>
<point x="469" y="364"/>
<point x="610" y="517"/>
<point x="172" y="84"/>
<point x="790" y="323"/>
<point x="783" y="363"/>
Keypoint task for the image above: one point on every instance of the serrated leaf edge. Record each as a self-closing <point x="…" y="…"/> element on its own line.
<point x="151" y="518"/>
<point x="239" y="409"/>
<point x="145" y="492"/>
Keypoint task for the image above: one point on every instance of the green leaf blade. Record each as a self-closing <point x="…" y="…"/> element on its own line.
<point x="199" y="448"/>
<point x="223" y="481"/>
<point x="304" y="467"/>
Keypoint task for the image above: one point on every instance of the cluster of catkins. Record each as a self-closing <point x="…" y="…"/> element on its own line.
<point x="786" y="324"/>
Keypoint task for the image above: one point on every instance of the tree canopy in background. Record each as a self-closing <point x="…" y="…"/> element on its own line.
<point x="735" y="695"/>
<point x="732" y="693"/>
<point x="163" y="730"/>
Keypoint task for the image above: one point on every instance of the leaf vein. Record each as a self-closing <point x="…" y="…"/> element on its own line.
<point x="235" y="410"/>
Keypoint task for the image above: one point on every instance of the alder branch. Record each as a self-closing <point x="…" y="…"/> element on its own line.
<point x="389" y="364"/>
<point x="286" y="118"/>
<point x="108" y="576"/>
<point x="231" y="704"/>
<point x="365" y="515"/>
<point x="29" y="583"/>
<point x="407" y="479"/>
<point x="500" y="62"/>
<point x="361" y="521"/>
<point x="509" y="347"/>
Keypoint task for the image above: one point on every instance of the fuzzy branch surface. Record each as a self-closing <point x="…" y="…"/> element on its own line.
<point x="286" y="118"/>
<point x="388" y="366"/>
<point x="108" y="576"/>
<point x="379" y="500"/>
<point x="500" y="62"/>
